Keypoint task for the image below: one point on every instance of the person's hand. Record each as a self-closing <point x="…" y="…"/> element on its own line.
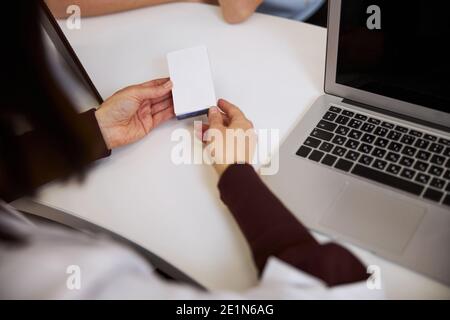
<point x="237" y="11"/>
<point x="238" y="139"/>
<point x="131" y="113"/>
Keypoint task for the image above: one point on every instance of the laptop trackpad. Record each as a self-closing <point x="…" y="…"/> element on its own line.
<point x="373" y="217"/>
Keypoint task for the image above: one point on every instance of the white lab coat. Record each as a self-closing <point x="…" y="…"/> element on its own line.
<point x="57" y="263"/>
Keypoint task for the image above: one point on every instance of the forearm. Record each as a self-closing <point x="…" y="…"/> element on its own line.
<point x="271" y="230"/>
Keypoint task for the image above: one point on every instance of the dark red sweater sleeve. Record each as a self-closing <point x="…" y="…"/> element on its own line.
<point x="45" y="163"/>
<point x="272" y="230"/>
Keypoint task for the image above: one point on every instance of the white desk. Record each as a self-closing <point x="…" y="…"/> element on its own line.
<point x="273" y="68"/>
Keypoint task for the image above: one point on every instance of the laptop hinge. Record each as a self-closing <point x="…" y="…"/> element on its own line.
<point x="397" y="115"/>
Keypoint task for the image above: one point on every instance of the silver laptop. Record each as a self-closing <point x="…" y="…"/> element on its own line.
<point x="369" y="163"/>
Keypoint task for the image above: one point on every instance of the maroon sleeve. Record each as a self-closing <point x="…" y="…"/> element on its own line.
<point x="44" y="163"/>
<point x="272" y="230"/>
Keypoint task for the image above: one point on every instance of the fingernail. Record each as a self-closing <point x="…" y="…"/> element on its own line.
<point x="213" y="110"/>
<point x="168" y="84"/>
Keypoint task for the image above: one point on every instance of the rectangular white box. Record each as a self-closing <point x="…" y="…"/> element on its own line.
<point x="193" y="87"/>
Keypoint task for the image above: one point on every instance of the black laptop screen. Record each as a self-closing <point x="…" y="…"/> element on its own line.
<point x="399" y="49"/>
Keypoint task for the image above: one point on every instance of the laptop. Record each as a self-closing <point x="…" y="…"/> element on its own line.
<point x="369" y="163"/>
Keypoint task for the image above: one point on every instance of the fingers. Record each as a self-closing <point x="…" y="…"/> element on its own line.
<point x="230" y="110"/>
<point x="155" y="82"/>
<point x="162" y="105"/>
<point x="165" y="97"/>
<point x="163" y="116"/>
<point x="215" y="118"/>
<point x="157" y="90"/>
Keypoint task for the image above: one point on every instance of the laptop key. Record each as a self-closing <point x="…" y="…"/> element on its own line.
<point x="335" y="109"/>
<point x="430" y="137"/>
<point x="312" y="142"/>
<point x="422" y="144"/>
<point x="348" y="113"/>
<point x="380" y="131"/>
<point x="448" y="187"/>
<point x="329" y="160"/>
<point x="379" y="164"/>
<point x="381" y="142"/>
<point x="437" y="183"/>
<point x="339" y="151"/>
<point x="316" y="156"/>
<point x="303" y="151"/>
<point x="423" y="155"/>
<point x="436" y="171"/>
<point x="407" y="162"/>
<point x="367" y="127"/>
<point x="368" y="138"/>
<point x="355" y="134"/>
<point x="436" y="148"/>
<point x="342" y="130"/>
<point x="342" y="120"/>
<point x="445" y="142"/>
<point x="409" y="151"/>
<point x="394" y="169"/>
<point x="352" y="155"/>
<point x="330" y="116"/>
<point x="394" y="135"/>
<point x="339" y="140"/>
<point x="360" y="117"/>
<point x="421" y="166"/>
<point x="387" y="179"/>
<point x="447" y="175"/>
<point x="433" y="195"/>
<point x="408" y="173"/>
<point x="365" y="148"/>
<point x="327" y="147"/>
<point x="344" y="165"/>
<point x="409" y="140"/>
<point x="355" y="124"/>
<point x="326" y="125"/>
<point x="367" y="160"/>
<point x="379" y="153"/>
<point x="388" y="125"/>
<point x="374" y="121"/>
<point x="401" y="129"/>
<point x="422" y="178"/>
<point x="415" y="133"/>
<point x="439" y="160"/>
<point x="447" y="152"/>
<point x="396" y="147"/>
<point x="352" y="144"/>
<point x="447" y="165"/>
<point x="321" y="134"/>
<point x="392" y="157"/>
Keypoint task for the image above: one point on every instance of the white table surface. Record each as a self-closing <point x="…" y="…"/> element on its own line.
<point x="272" y="68"/>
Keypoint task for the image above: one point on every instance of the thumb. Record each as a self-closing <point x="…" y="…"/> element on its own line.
<point x="145" y="92"/>
<point x="215" y="118"/>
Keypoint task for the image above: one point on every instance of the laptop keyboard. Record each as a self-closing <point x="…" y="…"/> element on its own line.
<point x="397" y="156"/>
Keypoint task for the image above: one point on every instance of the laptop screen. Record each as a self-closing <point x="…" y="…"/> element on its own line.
<point x="397" y="49"/>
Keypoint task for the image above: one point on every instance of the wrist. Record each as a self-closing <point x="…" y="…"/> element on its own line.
<point x="104" y="130"/>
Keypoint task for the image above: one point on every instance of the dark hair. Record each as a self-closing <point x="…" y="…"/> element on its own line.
<point x="30" y="95"/>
